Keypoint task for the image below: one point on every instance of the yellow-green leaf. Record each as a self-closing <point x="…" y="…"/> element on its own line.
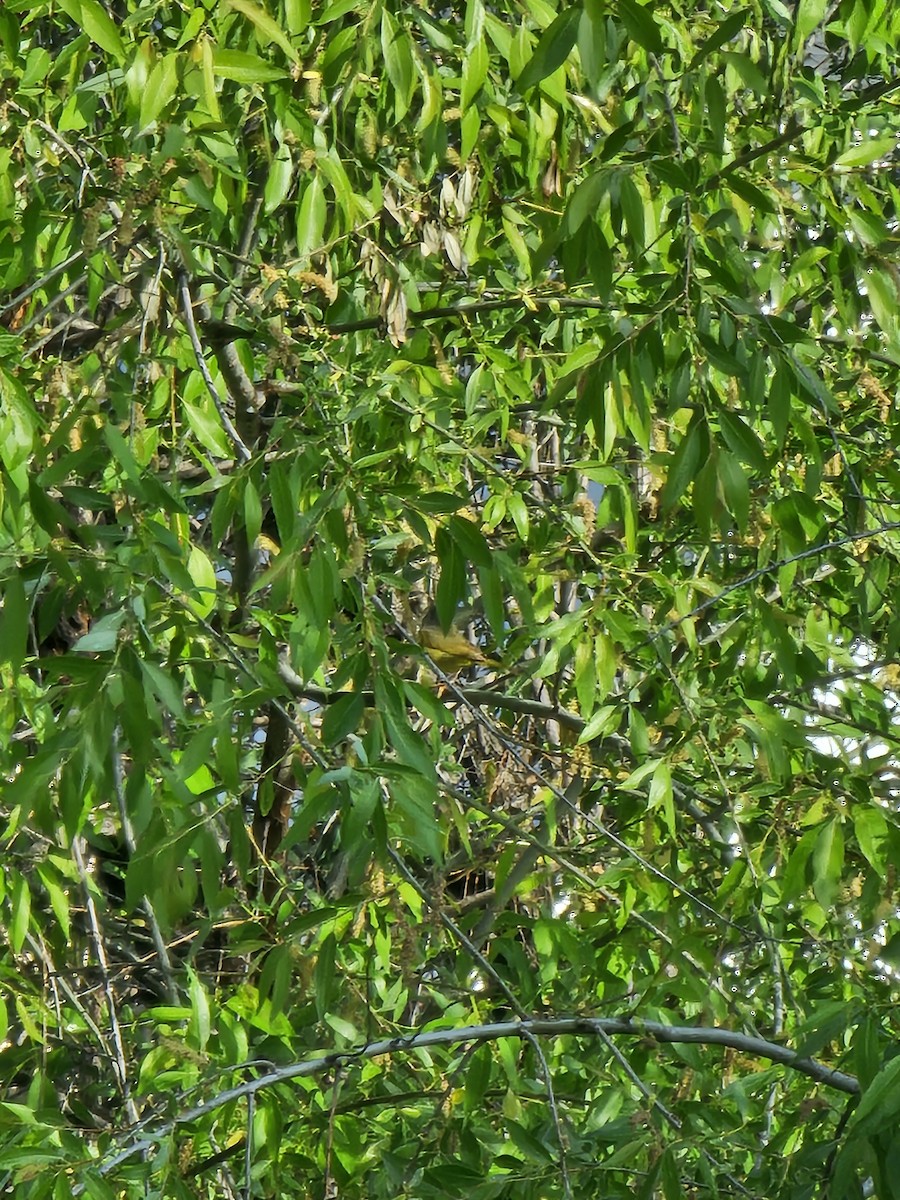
<point x="100" y="28"/>
<point x="270" y="29"/>
<point x="245" y="68"/>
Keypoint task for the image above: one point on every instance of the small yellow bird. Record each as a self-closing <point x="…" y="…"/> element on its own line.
<point x="452" y="651"/>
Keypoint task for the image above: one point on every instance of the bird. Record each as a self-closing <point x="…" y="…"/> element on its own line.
<point x="451" y="650"/>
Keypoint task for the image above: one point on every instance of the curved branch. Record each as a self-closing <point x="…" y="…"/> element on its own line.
<point x="527" y="1029"/>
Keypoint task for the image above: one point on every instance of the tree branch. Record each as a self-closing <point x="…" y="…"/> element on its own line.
<point x="599" y="1027"/>
<point x="479" y="697"/>
<point x="477" y="307"/>
<point x="188" y="309"/>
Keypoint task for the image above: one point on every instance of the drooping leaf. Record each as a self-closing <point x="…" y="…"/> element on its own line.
<point x="553" y="48"/>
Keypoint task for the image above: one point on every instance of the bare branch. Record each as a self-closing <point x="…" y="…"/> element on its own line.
<point x="187" y="307"/>
<point x="599" y="1027"/>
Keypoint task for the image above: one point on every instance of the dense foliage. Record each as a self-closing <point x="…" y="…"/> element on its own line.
<point x="448" y="541"/>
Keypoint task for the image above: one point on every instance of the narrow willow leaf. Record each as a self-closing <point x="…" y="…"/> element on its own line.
<point x="21" y="914"/>
<point x="280" y="177"/>
<point x="828" y="861"/>
<point x="161" y="88"/>
<point x="685" y="464"/>
<point x="553" y="49"/>
<point x="100" y="28"/>
<point x="742" y="440"/>
<point x="200" y="1014"/>
<point x="585" y="200"/>
<point x="245" y="68"/>
<point x="866" y="152"/>
<point x="474" y="74"/>
<point x="725" y="31"/>
<point x="14" y="622"/>
<point x="311" y="217"/>
<point x="270" y="29"/>
<point x="641" y="26"/>
<point x="452" y="582"/>
<point x="879" y="1104"/>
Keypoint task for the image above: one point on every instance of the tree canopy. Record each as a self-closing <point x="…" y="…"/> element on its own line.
<point x="448" y="540"/>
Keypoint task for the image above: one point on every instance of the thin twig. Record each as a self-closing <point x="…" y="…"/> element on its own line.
<point x="103" y="963"/>
<point x="661" y="1108"/>
<point x="248" y="1144"/>
<point x="554" y="1111"/>
<point x="187" y="306"/>
<point x="478" y="307"/>
<point x="20" y="297"/>
<point x="773" y="567"/>
<point x="159" y="943"/>
<point x="451" y="926"/>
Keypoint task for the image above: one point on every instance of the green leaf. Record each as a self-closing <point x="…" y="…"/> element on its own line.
<point x="21" y="914"/>
<point x="585" y="677"/>
<point x="879" y="1104"/>
<point x="470" y="540"/>
<point x="872" y="834"/>
<point x="103" y="634"/>
<point x="641" y="26"/>
<point x="342" y="718"/>
<point x="200" y="1014"/>
<point x="202" y="600"/>
<point x="325" y="978"/>
<point x="742" y="440"/>
<point x="408" y="744"/>
<point x="397" y="51"/>
<point x="685" y="463"/>
<point x="164" y="687"/>
<point x="633" y="210"/>
<point x="271" y="31"/>
<point x="670" y="1176"/>
<point x="438" y="502"/>
<point x="586" y="200"/>
<point x="18" y="424"/>
<point x="518" y="511"/>
<point x="725" y="32"/>
<point x="809" y="16"/>
<point x="311" y="218"/>
<point x="735" y="488"/>
<point x="160" y="90"/>
<point x="474" y="73"/>
<point x="604" y="720"/>
<point x="477" y="1078"/>
<point x="828" y="862"/>
<point x="278" y="183"/>
<point x="661" y="795"/>
<point x="883" y="298"/>
<point x="14" y="623"/>
<point x="244" y="68"/>
<point x="206" y="426"/>
<point x="413" y="815"/>
<point x="451" y="586"/>
<point x="100" y="28"/>
<point x="553" y="49"/>
<point x="866" y="152"/>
